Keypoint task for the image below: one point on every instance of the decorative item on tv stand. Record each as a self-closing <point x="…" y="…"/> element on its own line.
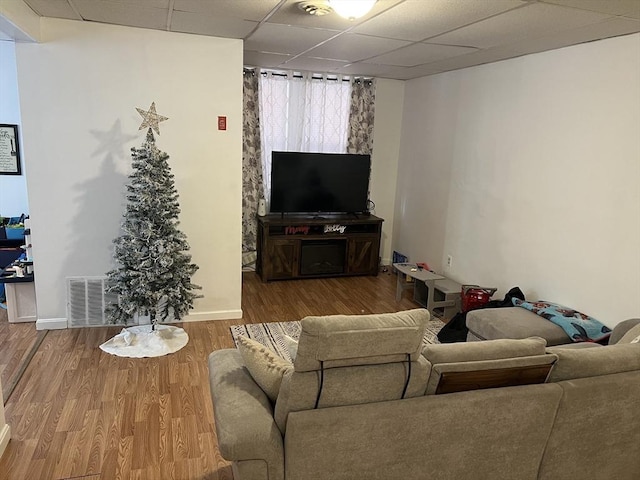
<point x="262" y="207"/>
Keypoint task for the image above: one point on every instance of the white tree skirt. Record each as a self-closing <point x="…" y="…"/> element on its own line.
<point x="140" y="341"/>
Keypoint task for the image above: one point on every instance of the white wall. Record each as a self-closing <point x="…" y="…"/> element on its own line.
<point x="386" y="151"/>
<point x="527" y="172"/>
<point x="79" y="90"/>
<point x="13" y="188"/>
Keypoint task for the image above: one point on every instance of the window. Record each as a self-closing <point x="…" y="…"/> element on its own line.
<point x="304" y="114"/>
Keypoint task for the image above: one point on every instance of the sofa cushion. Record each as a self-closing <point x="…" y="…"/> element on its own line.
<point x="343" y="340"/>
<point x="498" y="435"/>
<point x="489" y="350"/>
<point x="352" y="385"/>
<point x="266" y="368"/>
<point x="353" y="360"/>
<point x="595" y="434"/>
<point x="493" y="363"/>
<point x="591" y="362"/>
<point x="513" y="322"/>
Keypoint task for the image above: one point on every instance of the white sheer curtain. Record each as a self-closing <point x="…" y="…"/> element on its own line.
<point x="302" y="115"/>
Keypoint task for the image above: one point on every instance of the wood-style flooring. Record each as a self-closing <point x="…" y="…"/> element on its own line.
<point x="78" y="412"/>
<point x="18" y="341"/>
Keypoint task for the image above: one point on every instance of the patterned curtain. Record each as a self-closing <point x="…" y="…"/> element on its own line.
<point x="252" y="186"/>
<point x="361" y="115"/>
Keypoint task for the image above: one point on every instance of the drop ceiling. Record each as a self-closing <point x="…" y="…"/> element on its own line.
<point x="398" y="39"/>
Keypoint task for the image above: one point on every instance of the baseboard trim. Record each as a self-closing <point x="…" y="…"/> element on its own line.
<point x="216" y="315"/>
<point x="51" y="323"/>
<point x="5" y="436"/>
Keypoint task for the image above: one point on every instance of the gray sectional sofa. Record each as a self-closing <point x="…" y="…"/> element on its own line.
<point x="364" y="399"/>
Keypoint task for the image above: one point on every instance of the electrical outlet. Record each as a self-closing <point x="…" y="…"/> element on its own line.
<point x="449" y="261"/>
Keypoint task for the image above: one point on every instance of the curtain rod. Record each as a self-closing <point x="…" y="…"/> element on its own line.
<point x="313" y="76"/>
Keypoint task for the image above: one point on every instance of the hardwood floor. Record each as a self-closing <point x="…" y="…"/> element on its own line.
<point x="17" y="343"/>
<point x="79" y="412"/>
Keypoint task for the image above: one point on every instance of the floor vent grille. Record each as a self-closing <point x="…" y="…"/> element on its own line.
<point x="87" y="300"/>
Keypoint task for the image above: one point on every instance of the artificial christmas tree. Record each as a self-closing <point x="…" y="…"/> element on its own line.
<point x="153" y="275"/>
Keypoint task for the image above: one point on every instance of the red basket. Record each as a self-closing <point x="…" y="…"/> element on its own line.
<point x="475" y="296"/>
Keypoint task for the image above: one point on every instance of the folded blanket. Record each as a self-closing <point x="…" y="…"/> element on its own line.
<point x="578" y="326"/>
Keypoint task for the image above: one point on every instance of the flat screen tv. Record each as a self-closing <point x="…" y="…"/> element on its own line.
<point x="319" y="182"/>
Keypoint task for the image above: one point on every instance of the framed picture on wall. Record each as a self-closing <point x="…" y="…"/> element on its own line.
<point x="9" y="150"/>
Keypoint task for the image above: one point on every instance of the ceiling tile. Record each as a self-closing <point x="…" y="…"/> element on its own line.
<point x="53" y="8"/>
<point x="542" y="44"/>
<point x="352" y="47"/>
<point x="259" y="59"/>
<point x="416" y="72"/>
<point x="254" y="10"/>
<point x="286" y="39"/>
<point x="147" y="3"/>
<point x="627" y="8"/>
<point x="419" y="19"/>
<point x="316" y="65"/>
<point x="530" y="21"/>
<point x="418" y="54"/>
<point x="122" y="14"/>
<point x="371" y="70"/>
<point x="614" y="27"/>
<point x="478" y="57"/>
<point x="209" y="25"/>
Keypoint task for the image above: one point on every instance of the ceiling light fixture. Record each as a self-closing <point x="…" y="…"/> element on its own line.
<point x="317" y="9"/>
<point x="352" y="9"/>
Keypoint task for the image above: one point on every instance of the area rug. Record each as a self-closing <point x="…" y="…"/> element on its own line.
<point x="271" y="335"/>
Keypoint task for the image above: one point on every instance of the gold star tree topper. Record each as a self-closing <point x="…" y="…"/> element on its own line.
<point x="150" y="118"/>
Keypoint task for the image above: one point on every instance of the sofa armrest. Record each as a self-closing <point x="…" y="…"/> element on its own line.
<point x="620" y="329"/>
<point x="243" y="415"/>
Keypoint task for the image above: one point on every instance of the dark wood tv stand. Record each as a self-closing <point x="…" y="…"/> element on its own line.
<point x="305" y="246"/>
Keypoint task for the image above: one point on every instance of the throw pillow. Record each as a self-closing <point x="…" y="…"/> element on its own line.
<point x="266" y="368"/>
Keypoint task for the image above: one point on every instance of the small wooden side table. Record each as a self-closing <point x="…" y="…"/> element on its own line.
<point x="425" y="286"/>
